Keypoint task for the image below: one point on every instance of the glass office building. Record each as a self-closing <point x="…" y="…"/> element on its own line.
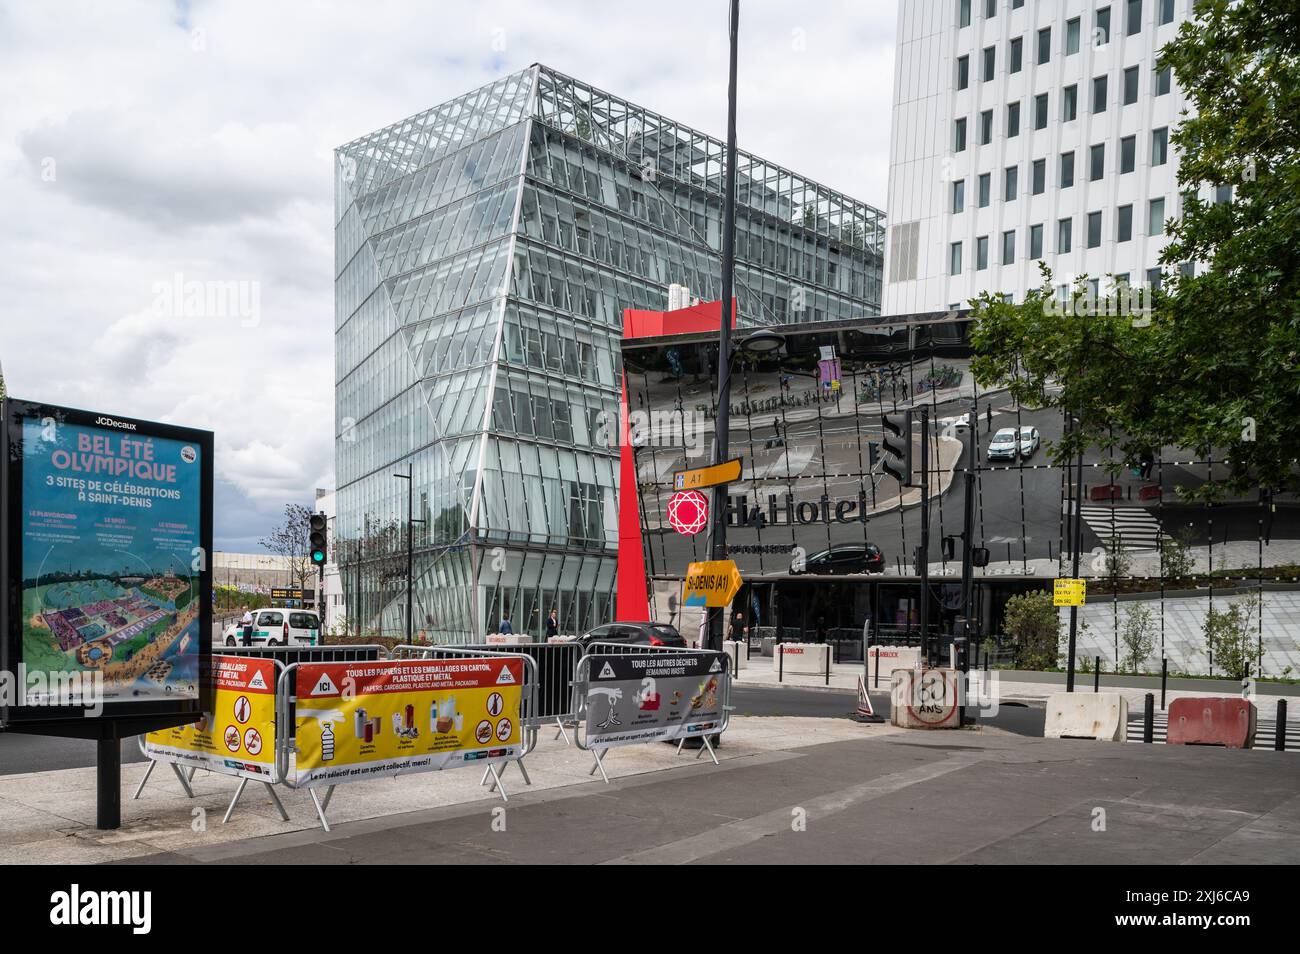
<point x="485" y="251"/>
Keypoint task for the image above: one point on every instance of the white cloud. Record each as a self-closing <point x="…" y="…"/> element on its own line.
<point x="197" y="139"/>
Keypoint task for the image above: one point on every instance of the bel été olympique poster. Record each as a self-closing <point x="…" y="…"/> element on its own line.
<point x="110" y="559"/>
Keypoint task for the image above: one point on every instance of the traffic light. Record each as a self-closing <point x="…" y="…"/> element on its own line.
<point x="897" y="445"/>
<point x="316" y="547"/>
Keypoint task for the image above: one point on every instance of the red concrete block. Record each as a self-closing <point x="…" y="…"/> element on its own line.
<point x="1106" y="492"/>
<point x="1215" y="720"/>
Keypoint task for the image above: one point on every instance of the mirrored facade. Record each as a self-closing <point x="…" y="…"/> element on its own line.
<point x="485" y="251"/>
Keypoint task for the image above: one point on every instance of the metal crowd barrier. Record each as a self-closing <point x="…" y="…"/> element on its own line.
<point x="557" y="664"/>
<point x="528" y="718"/>
<point x="186" y="778"/>
<point x="582" y="683"/>
<point x="288" y="655"/>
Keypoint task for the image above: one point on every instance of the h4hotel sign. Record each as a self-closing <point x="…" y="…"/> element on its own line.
<point x="784" y="510"/>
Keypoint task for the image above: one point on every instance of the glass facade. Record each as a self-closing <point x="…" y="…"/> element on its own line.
<point x="485" y="251"/>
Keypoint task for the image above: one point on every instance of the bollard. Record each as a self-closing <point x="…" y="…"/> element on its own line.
<point x="1149" y="719"/>
<point x="1164" y="677"/>
<point x="828" y="665"/>
<point x="1279" y="737"/>
<point x="1096" y="674"/>
<point x="780" y="663"/>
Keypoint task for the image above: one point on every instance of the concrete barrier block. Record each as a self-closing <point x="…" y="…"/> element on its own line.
<point x="925" y="698"/>
<point x="1086" y="715"/>
<point x="736" y="650"/>
<point x="801" y="659"/>
<point x="1212" y="720"/>
<point x="889" y="658"/>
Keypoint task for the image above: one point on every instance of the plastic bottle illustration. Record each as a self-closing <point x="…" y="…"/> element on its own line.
<point x="326" y="742"/>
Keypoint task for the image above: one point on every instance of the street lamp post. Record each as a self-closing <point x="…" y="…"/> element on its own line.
<point x="717" y="519"/>
<point x="410" y="545"/>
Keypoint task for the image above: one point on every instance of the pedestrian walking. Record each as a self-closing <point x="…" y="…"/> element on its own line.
<point x="552" y="624"/>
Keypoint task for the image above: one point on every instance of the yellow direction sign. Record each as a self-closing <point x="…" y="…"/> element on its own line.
<point x="1069" y="592"/>
<point x="723" y="473"/>
<point x="711" y="583"/>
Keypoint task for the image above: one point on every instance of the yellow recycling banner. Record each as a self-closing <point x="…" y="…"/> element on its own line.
<point x="367" y="719"/>
<point x="238" y="736"/>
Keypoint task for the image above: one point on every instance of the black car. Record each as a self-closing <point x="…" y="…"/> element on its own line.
<point x="845" y="558"/>
<point x="635" y="634"/>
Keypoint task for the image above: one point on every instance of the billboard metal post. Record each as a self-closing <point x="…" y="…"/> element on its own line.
<point x="923" y="554"/>
<point x="1077" y="510"/>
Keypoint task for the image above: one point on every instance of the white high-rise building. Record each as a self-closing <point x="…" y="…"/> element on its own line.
<point x="1027" y="130"/>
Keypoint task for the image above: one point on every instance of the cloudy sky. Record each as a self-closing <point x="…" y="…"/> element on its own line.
<point x="149" y="144"/>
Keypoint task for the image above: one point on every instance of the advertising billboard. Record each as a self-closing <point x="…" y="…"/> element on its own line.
<point x="108" y="529"/>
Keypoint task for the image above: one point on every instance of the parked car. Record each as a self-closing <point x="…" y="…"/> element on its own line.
<point x="277" y="627"/>
<point x="634" y="634"/>
<point x="843" y="558"/>
<point x="1005" y="445"/>
<point x="1029" y="441"/>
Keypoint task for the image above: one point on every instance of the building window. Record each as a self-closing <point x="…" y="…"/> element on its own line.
<point x="1069" y="103"/>
<point x="1164" y="79"/>
<point x="1094" y="230"/>
<point x="1187" y="269"/>
<point x="1010" y="183"/>
<point x="1008" y="247"/>
<point x="1133" y="18"/>
<point x="1017" y="4"/>
<point x="1101" y="27"/>
<point x="1099" y="94"/>
<point x="1044" y="45"/>
<point x="1096" y="162"/>
<point x="1160" y="146"/>
<point x="1222" y="194"/>
<point x="981" y="253"/>
<point x="959" y="196"/>
<point x="1064" y="235"/>
<point x="1166" y="12"/>
<point x="1039" y="176"/>
<point x="1156" y="217"/>
<point x="963" y="13"/>
<point x="1127" y="154"/>
<point x="990" y="9"/>
<point x="1017" y="54"/>
<point x="954" y="258"/>
<point x="959" y="135"/>
<point x="963" y="72"/>
<point x="1040" y="111"/>
<point x="1013" y="120"/>
<point x="1036" y="241"/>
<point x="1124" y="224"/>
<point x="1072" y="37"/>
<point x="1130" y="86"/>
<point x="990" y="63"/>
<point x="1067" y="169"/>
<point x="984" y="180"/>
<point x="986" y="127"/>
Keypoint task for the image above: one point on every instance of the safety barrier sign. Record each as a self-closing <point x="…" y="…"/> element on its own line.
<point x="632" y="696"/>
<point x="364" y="720"/>
<point x="238" y="736"/>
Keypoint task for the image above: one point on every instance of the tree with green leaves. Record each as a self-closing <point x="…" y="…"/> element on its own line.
<point x="1214" y="364"/>
<point x="1031" y="620"/>
<point x="1137" y="634"/>
<point x="1230" y="637"/>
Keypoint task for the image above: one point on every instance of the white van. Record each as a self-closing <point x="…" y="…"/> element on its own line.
<point x="278" y="627"/>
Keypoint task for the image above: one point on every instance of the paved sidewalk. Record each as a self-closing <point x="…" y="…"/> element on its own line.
<point x="982" y="797"/>
<point x="48" y="817"/>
